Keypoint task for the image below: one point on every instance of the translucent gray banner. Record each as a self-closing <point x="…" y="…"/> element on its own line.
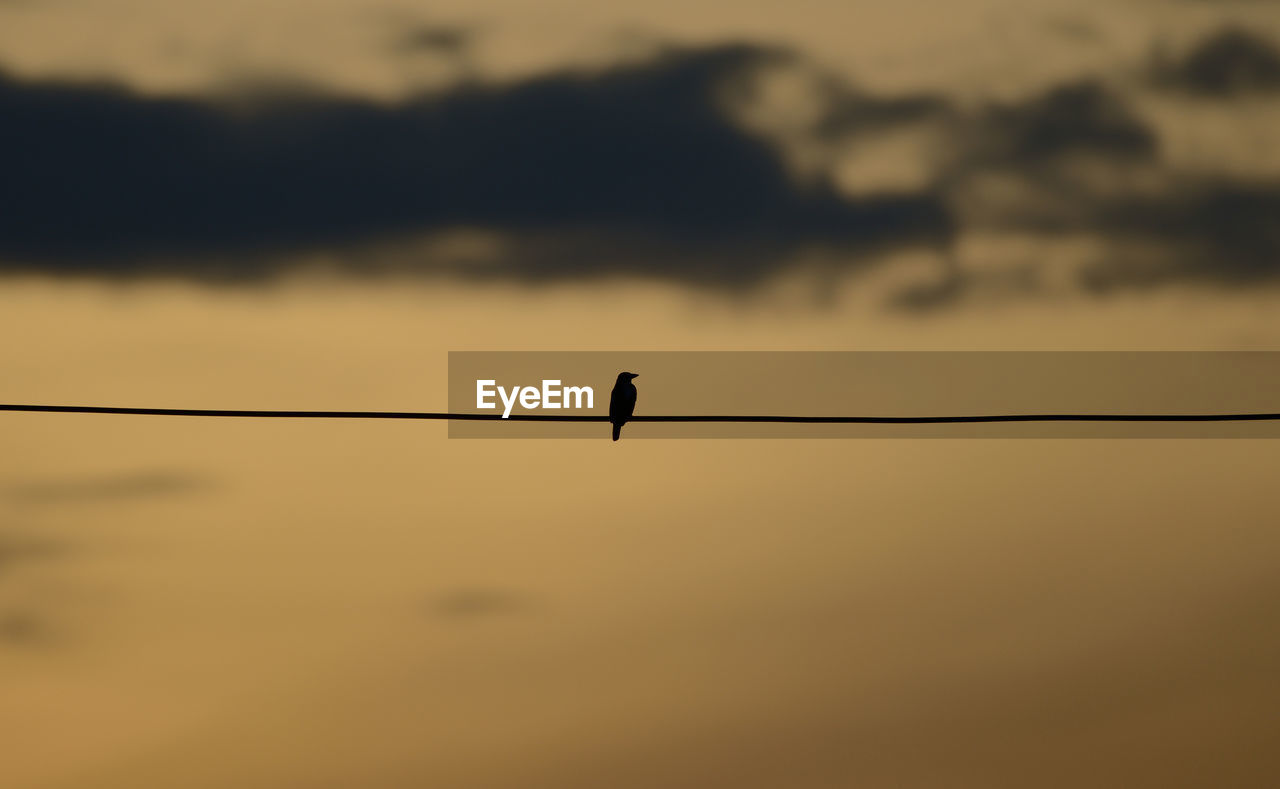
<point x="1069" y="394"/>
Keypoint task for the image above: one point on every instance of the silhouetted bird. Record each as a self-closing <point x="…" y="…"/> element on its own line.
<point x="622" y="403"/>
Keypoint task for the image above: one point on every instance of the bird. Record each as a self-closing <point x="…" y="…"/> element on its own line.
<point x="622" y="402"/>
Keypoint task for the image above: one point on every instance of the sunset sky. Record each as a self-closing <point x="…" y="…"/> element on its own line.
<point x="308" y="205"/>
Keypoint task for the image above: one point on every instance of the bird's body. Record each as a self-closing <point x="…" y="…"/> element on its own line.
<point x="622" y="402"/>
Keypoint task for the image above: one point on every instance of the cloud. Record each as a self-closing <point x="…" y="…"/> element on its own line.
<point x="22" y="627"/>
<point x="1224" y="233"/>
<point x="850" y="113"/>
<point x="1078" y="161"/>
<point x="435" y="40"/>
<point x="638" y="156"/>
<point x="19" y="624"/>
<point x="1157" y="225"/>
<point x="1083" y="117"/>
<point x="472" y="603"/>
<point x="105" y="488"/>
<point x="643" y="169"/>
<point x="15" y="549"/>
<point x="1229" y="62"/>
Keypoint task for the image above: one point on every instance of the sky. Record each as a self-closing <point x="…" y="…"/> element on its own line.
<point x="308" y="205"/>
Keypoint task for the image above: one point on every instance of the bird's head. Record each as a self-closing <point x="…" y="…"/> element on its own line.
<point x="627" y="376"/>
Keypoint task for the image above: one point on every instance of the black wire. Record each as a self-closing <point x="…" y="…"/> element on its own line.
<point x="441" y="415"/>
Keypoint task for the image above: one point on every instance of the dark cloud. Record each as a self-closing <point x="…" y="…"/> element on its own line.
<point x="1077" y="160"/>
<point x="1229" y="62"/>
<point x="1223" y="232"/>
<point x="1217" y="233"/>
<point x="1212" y="229"/>
<point x="642" y="169"/>
<point x="851" y="113"/>
<point x="1083" y="117"/>
<point x="645" y="156"/>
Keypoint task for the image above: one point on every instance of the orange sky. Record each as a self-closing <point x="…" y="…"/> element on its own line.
<point x="312" y="604"/>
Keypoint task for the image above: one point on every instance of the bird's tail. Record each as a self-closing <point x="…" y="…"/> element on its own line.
<point x="617" y="430"/>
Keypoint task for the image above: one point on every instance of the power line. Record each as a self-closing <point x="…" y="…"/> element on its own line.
<point x="447" y="416"/>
